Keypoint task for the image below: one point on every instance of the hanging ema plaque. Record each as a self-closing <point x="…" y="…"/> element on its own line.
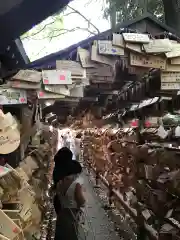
<point x="10" y="96"/>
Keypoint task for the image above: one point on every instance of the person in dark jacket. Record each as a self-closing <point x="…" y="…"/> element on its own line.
<point x="61" y="160"/>
<point x="71" y="196"/>
<point x="63" y="164"/>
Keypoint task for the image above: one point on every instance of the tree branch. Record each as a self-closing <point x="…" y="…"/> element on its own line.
<point x="33" y="34"/>
<point x="62" y="33"/>
<point x="87" y="20"/>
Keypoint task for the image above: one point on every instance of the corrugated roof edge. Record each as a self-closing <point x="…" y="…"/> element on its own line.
<point x="63" y="53"/>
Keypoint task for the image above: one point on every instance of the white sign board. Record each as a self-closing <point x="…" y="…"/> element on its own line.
<point x="56" y="77"/>
<point x="10" y="96"/>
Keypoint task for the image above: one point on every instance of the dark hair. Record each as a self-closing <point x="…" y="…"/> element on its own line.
<point x="65" y="169"/>
<point x="74" y="168"/>
<point x="64" y="154"/>
<point x="79" y="135"/>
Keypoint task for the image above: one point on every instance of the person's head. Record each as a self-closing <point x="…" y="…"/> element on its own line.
<point x="79" y="135"/>
<point x="64" y="154"/>
<point x="74" y="168"/>
<point x="71" y="169"/>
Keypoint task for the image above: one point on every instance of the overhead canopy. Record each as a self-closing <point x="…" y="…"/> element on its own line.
<point x="19" y="16"/>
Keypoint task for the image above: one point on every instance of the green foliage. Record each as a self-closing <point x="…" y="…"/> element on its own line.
<point x="130" y="9"/>
<point x="47" y="29"/>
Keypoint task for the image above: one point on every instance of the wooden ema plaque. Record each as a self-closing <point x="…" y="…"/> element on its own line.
<point x="175" y="61"/>
<point x="105" y="47"/>
<point x="170" y="86"/>
<point x="59" y="89"/>
<point x="172" y="68"/>
<point x="7" y="227"/>
<point x="134" y="47"/>
<point x="28" y="76"/>
<point x="170" y="77"/>
<point x="48" y="95"/>
<point x="100" y="58"/>
<point x="158" y="46"/>
<point x="85" y="58"/>
<point x="118" y="40"/>
<point x="147" y="61"/>
<point x="74" y="67"/>
<point x="136" y="37"/>
<point x="24" y="85"/>
<point x="56" y="77"/>
<point x="175" y="52"/>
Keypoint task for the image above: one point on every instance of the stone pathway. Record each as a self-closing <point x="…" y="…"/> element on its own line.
<point x="100" y="226"/>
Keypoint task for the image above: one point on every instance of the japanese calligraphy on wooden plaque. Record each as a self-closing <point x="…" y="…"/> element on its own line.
<point x="147" y="61"/>
<point x="71" y="66"/>
<point x="170" y="77"/>
<point x="28" y="75"/>
<point x="170" y="86"/>
<point x="101" y="58"/>
<point x="158" y="46"/>
<point x="175" y="52"/>
<point x="136" y="37"/>
<point x="105" y="47"/>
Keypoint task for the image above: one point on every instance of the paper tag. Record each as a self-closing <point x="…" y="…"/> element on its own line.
<point x="162" y="133"/>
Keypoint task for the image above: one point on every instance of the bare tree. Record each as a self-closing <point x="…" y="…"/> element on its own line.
<point x="53" y="27"/>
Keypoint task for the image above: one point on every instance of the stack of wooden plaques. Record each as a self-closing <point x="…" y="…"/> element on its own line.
<point x="144" y="177"/>
<point x="22" y="194"/>
<point x="136" y="52"/>
<point x="68" y="80"/>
